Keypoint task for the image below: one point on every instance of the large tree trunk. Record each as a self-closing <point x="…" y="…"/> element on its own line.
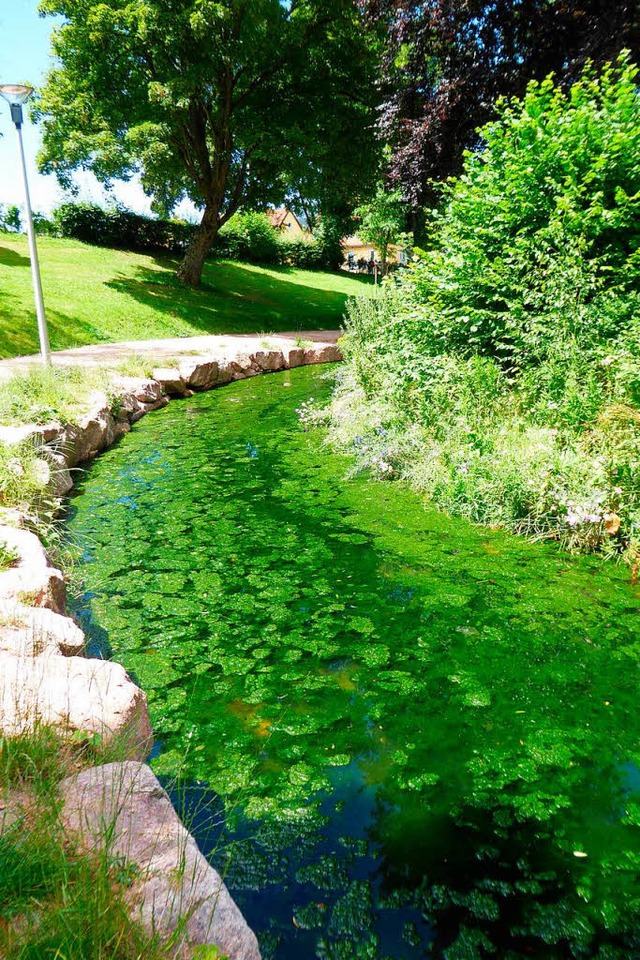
<point x="190" y="270"/>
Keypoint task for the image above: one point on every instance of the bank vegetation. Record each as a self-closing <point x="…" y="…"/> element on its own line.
<point x="500" y="372"/>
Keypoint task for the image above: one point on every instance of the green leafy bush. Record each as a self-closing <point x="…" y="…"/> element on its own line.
<point x="541" y="232"/>
<point x="248" y="236"/>
<point x="512" y="343"/>
<point x="10" y="218"/>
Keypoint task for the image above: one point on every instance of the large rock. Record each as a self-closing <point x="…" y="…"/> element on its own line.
<point x="269" y="360"/>
<point x="35" y="433"/>
<point x="32" y="581"/>
<point x="241" y="366"/>
<point x="60" y="480"/>
<point x="145" y="389"/>
<point x="226" y="373"/>
<point x="36" y="631"/>
<point x="295" y="357"/>
<point x="136" y="396"/>
<point x="75" y="696"/>
<point x="93" y="433"/>
<point x="176" y="888"/>
<point x="171" y="381"/>
<point x="131" y="408"/>
<point x="322" y="353"/>
<point x="200" y="374"/>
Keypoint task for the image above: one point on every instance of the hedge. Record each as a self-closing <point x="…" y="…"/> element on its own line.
<point x="247" y="236"/>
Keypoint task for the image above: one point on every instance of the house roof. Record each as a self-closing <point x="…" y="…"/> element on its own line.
<point x="278" y="216"/>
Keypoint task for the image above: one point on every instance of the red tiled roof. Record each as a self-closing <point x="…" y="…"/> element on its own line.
<point x="277" y="217"/>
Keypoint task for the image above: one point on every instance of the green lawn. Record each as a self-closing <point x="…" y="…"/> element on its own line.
<point x="94" y="294"/>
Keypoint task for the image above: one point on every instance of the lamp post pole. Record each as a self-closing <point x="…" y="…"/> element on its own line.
<point x="16" y="95"/>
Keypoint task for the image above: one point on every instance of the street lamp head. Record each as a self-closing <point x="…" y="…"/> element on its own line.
<point x="15" y="93"/>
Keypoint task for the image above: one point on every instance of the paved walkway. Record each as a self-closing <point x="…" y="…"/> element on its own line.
<point x="162" y="351"/>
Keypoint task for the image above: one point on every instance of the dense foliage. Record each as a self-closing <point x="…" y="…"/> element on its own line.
<point x="445" y="63"/>
<point x="382" y="221"/>
<point x="229" y="104"/>
<point x="10" y="218"/>
<point x="513" y="341"/>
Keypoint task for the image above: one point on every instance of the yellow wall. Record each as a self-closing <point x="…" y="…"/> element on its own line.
<point x="362" y="251"/>
<point x="291" y="227"/>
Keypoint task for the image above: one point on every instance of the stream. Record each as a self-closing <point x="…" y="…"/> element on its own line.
<point x="395" y="734"/>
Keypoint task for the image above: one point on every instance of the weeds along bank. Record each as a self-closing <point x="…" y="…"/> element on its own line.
<point x="94" y="862"/>
<point x="500" y="374"/>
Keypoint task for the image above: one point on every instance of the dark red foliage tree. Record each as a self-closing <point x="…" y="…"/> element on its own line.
<point x="446" y="61"/>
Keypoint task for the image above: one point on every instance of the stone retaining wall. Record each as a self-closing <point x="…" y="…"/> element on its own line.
<point x="45" y="678"/>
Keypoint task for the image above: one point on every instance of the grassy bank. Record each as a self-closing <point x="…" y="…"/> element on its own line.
<point x="57" y="901"/>
<point x="95" y="295"/>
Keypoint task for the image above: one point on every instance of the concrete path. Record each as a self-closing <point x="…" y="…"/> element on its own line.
<point x="161" y="351"/>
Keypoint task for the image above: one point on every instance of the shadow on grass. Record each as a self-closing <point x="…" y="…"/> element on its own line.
<point x="235" y="298"/>
<point x="10" y="258"/>
<point x="20" y="338"/>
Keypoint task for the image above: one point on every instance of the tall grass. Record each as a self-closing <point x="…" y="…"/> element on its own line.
<point x="56" y="901"/>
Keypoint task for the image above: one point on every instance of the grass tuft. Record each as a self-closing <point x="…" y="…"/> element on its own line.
<point x="42" y="395"/>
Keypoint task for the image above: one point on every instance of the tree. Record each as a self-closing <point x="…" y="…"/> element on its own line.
<point x="447" y="61"/>
<point x="227" y="104"/>
<point x="11" y="218"/>
<point x="383" y="221"/>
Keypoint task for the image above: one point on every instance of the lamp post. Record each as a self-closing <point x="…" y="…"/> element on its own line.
<point x="15" y="95"/>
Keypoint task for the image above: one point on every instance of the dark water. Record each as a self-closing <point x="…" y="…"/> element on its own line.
<point x="401" y="736"/>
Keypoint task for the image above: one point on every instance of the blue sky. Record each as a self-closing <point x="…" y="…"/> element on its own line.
<point x="25" y="58"/>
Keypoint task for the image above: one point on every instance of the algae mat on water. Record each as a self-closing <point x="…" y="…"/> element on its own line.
<point x="424" y="736"/>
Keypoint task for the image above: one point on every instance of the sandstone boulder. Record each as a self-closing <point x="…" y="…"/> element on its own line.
<point x="33" y="581"/>
<point x="30" y="431"/>
<point x="322" y="353"/>
<point x="171" y="381"/>
<point x="60" y="481"/>
<point x="268" y="360"/>
<point x="132" y="408"/>
<point x="145" y="389"/>
<point x="94" y="432"/>
<point x="226" y="373"/>
<point x="36" y="631"/>
<point x="199" y="373"/>
<point x="175" y="881"/>
<point x="241" y="365"/>
<point x="74" y="695"/>
<point x="295" y="357"/>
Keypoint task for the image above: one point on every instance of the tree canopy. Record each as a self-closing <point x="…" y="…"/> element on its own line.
<point x="446" y="62"/>
<point x="227" y="104"/>
<point x="382" y="221"/>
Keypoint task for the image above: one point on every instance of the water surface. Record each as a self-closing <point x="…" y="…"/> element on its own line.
<point x="401" y="735"/>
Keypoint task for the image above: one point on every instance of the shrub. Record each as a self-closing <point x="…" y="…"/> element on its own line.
<point x="540" y="230"/>
<point x="10" y="218"/>
<point x="248" y="236"/>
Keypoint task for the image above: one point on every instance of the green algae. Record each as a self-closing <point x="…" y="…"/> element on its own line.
<point x="425" y="734"/>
